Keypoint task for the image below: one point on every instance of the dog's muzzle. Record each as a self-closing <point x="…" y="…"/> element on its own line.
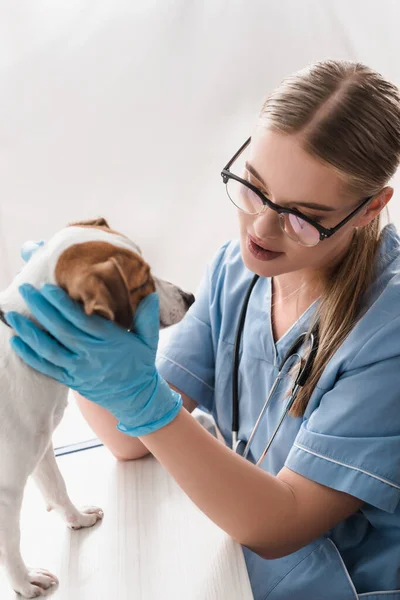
<point x="2" y="318"/>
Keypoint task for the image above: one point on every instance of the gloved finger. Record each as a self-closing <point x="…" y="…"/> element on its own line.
<point x="51" y="319"/>
<point x="73" y="312"/>
<point x="39" y="341"/>
<point x="29" y="248"/>
<point x="36" y="362"/>
<point x="147" y="318"/>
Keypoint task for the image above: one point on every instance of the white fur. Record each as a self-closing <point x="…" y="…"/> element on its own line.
<point x="31" y="407"/>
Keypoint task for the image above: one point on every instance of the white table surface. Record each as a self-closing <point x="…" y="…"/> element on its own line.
<point x="153" y="543"/>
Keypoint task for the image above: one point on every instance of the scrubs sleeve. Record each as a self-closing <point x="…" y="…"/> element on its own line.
<point x="351" y="441"/>
<point x="187" y="359"/>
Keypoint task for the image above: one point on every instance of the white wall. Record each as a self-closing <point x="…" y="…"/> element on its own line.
<point x="129" y="109"/>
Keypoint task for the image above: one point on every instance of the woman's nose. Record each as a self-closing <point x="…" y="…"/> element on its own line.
<point x="266" y="225"/>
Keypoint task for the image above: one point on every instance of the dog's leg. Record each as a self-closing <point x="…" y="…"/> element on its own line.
<point x="52" y="485"/>
<point x="30" y="583"/>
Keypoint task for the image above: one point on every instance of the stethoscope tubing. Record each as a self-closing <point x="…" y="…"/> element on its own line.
<point x="264" y="408"/>
<point x="302" y="376"/>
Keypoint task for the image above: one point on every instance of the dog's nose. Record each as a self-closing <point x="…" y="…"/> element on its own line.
<point x="188" y="298"/>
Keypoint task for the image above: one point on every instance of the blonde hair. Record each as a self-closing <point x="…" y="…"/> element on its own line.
<point x="348" y="117"/>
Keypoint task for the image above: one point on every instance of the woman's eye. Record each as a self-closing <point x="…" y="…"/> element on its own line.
<point x="317" y="218"/>
<point x="250" y="179"/>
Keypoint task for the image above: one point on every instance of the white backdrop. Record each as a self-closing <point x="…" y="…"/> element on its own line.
<point x="129" y="109"/>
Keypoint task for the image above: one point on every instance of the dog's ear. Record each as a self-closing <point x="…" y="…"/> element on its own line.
<point x="99" y="222"/>
<point x="105" y="291"/>
<point x="107" y="281"/>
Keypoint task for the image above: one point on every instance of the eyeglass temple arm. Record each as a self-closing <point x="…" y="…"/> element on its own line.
<point x="332" y="230"/>
<point x="234" y="157"/>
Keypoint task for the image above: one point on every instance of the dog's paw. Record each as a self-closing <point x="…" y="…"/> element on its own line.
<point x="86" y="518"/>
<point x="37" y="583"/>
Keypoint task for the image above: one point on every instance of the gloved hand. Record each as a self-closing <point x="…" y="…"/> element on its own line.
<point x="30" y="248"/>
<point x="97" y="358"/>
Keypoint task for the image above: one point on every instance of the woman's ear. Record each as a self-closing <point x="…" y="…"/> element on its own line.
<point x="374" y="207"/>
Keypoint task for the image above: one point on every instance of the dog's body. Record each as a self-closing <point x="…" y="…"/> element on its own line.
<point x="32" y="405"/>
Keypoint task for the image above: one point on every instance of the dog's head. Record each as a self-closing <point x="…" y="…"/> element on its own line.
<point x="105" y="271"/>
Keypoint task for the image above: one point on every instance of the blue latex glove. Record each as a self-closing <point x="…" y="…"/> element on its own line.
<point x="97" y="358"/>
<point x="30" y="248"/>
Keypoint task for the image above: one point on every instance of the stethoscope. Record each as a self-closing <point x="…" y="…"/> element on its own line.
<point x="305" y="366"/>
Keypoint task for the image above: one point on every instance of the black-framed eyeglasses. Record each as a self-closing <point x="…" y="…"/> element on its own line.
<point x="299" y="227"/>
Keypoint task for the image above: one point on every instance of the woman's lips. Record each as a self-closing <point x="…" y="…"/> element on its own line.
<point x="259" y="252"/>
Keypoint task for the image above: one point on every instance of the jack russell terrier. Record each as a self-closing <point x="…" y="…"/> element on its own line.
<point x="105" y="271"/>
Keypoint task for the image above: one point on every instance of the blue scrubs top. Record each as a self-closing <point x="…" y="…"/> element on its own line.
<point x="348" y="438"/>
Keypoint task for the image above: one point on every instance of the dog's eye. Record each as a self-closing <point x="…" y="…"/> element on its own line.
<point x="139" y="287"/>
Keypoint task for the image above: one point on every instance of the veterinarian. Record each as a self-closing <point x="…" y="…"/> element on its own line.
<point x="319" y="516"/>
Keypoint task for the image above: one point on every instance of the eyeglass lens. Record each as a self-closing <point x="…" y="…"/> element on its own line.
<point x="249" y="202"/>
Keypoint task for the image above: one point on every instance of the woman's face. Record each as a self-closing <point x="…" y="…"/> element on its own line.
<point x="292" y="178"/>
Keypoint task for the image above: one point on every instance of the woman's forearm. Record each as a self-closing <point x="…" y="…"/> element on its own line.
<point x="249" y="504"/>
<point x="103" y="423"/>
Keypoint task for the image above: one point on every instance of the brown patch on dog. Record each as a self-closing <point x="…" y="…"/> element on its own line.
<point x="107" y="280"/>
<point x="99" y="222"/>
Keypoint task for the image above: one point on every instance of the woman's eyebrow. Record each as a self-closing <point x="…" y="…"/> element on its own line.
<point x="252" y="170"/>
